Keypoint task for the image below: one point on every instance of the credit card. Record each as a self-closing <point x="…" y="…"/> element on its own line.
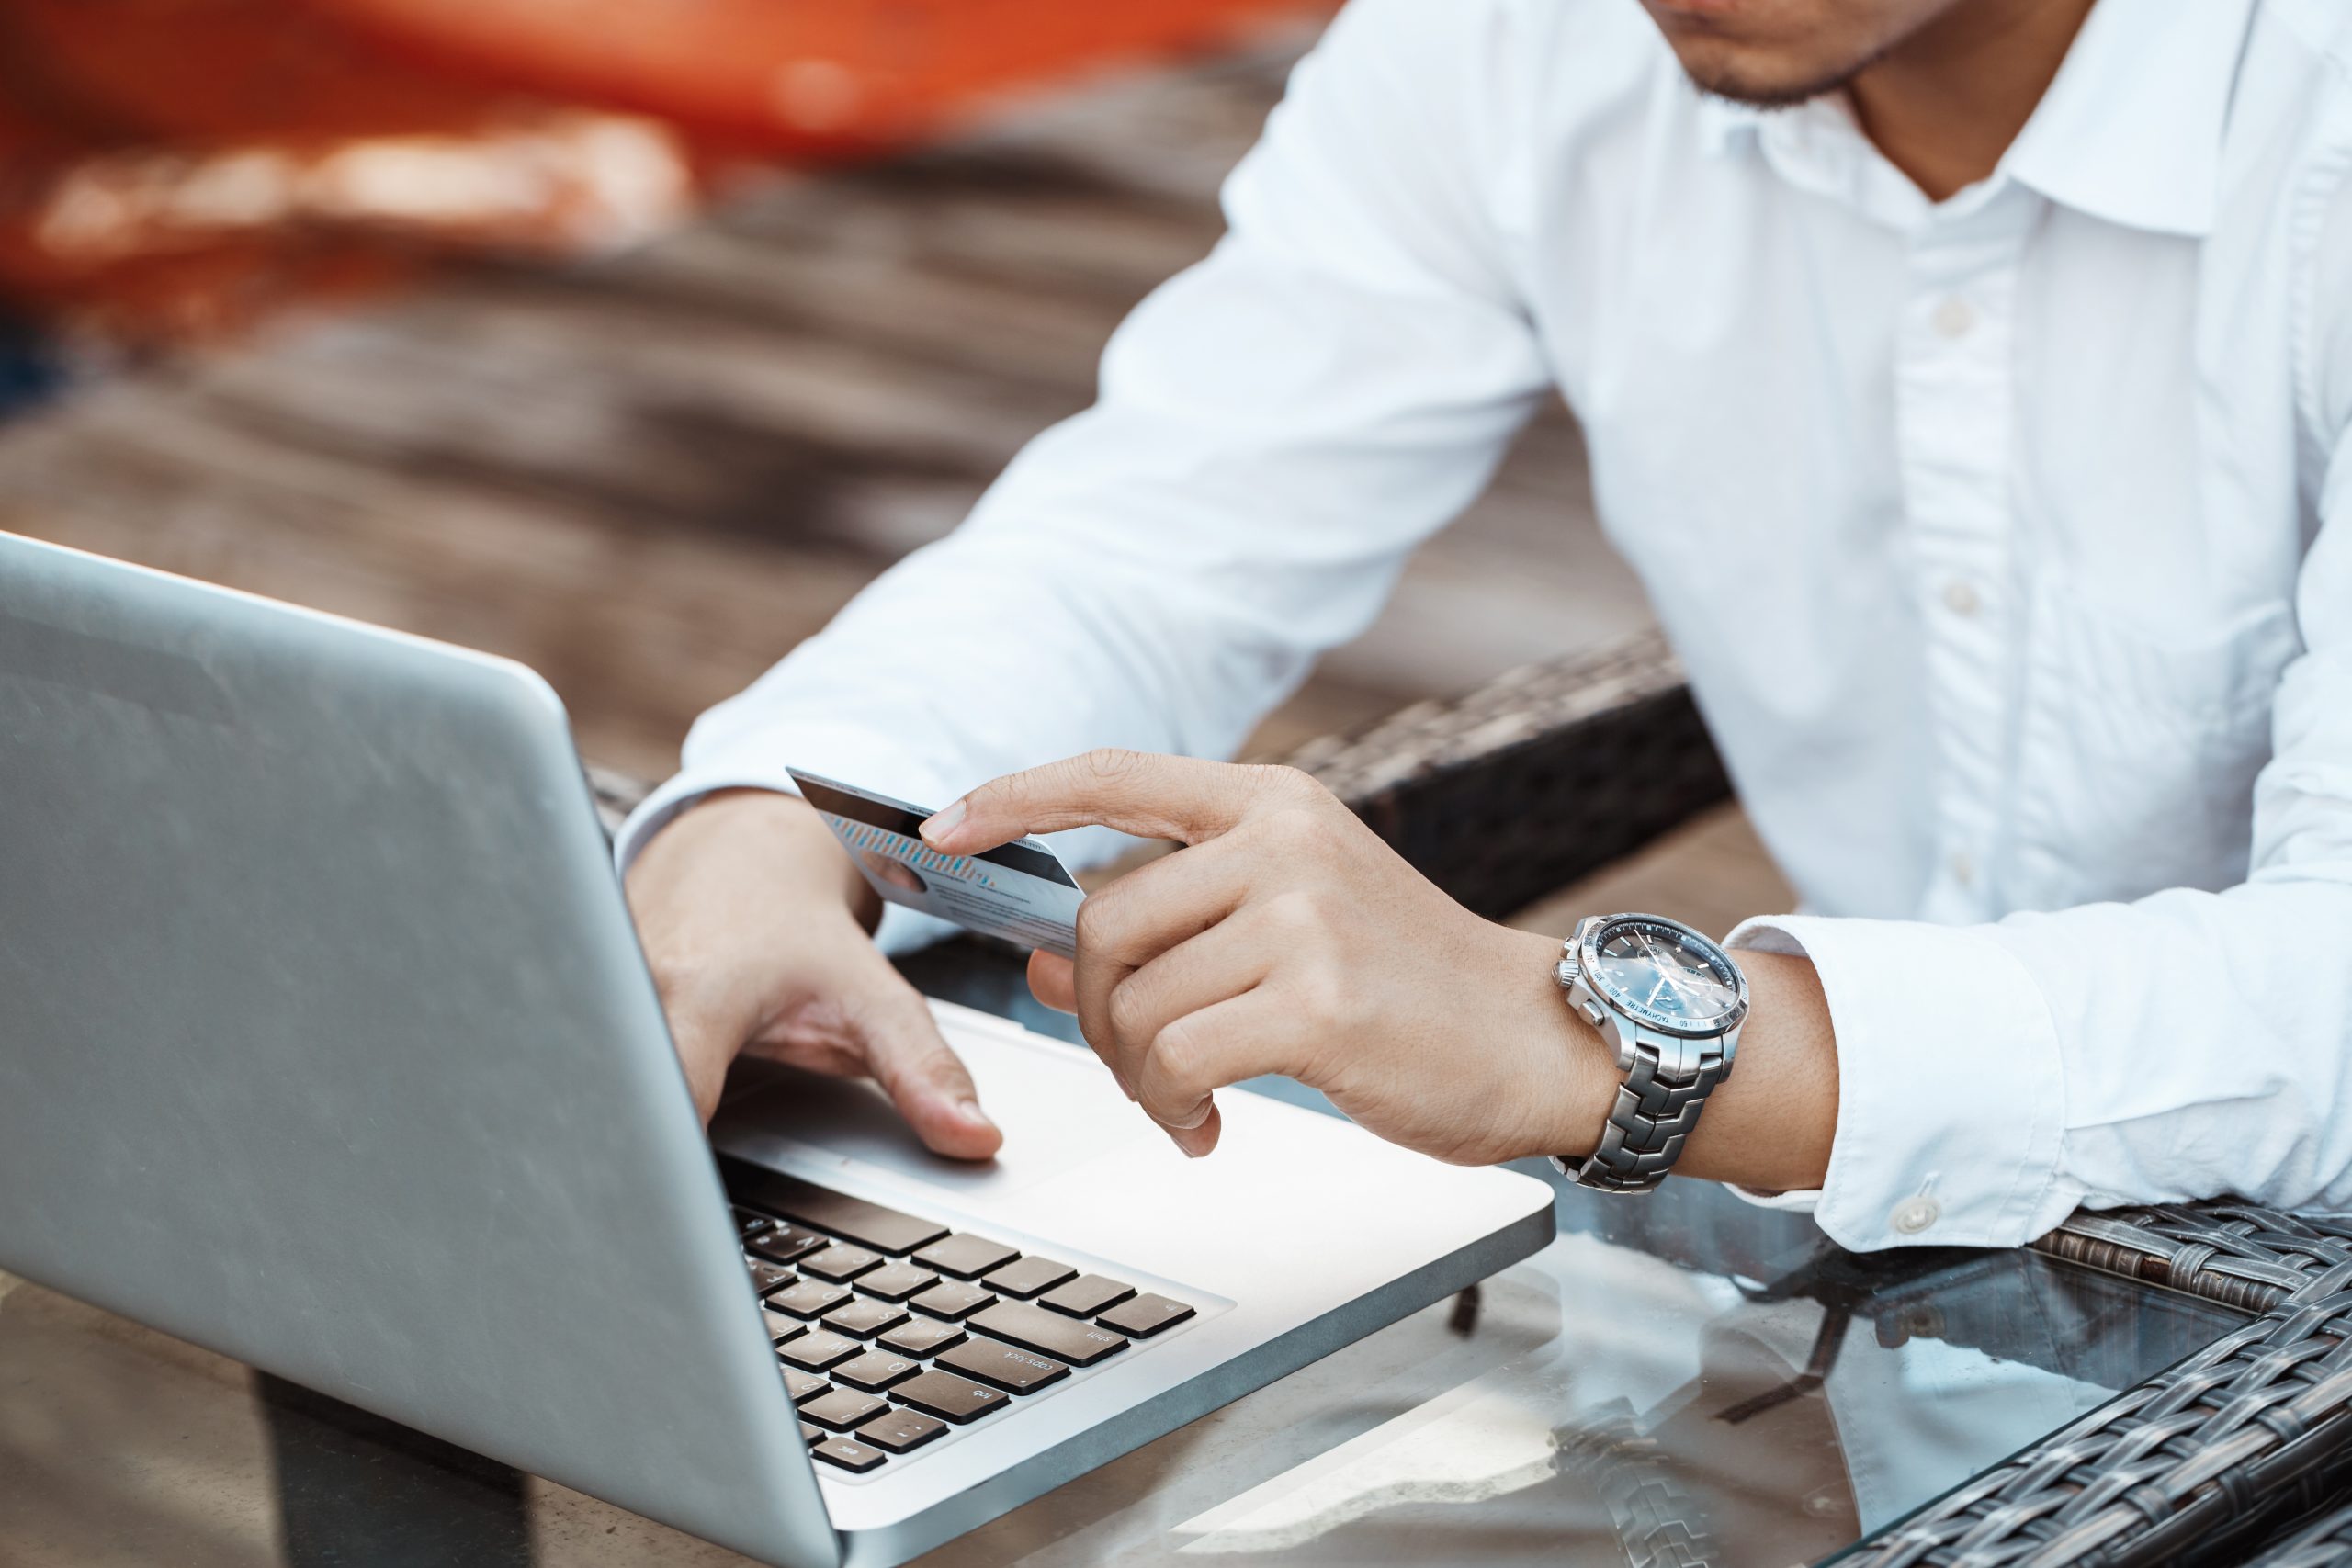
<point x="1018" y="892"/>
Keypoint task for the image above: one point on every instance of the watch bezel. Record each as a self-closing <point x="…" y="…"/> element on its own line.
<point x="1587" y="949"/>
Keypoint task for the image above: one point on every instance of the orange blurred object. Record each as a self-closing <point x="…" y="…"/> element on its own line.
<point x="151" y="70"/>
<point x="178" y="168"/>
<point x="809" y="78"/>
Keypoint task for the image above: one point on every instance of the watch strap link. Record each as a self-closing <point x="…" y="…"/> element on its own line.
<point x="1657" y="1110"/>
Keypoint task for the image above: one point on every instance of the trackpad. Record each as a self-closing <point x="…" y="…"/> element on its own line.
<point x="1059" y="1106"/>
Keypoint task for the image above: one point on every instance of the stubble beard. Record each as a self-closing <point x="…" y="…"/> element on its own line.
<point x="1729" y="86"/>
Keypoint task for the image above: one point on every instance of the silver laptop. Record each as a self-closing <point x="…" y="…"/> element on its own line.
<point x="325" y="1042"/>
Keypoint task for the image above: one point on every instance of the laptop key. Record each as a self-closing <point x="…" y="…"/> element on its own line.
<point x="876" y="1370"/>
<point x="782" y="1243"/>
<point x="810" y="1298"/>
<point x="800" y="1385"/>
<point x="841" y="1409"/>
<point x="1145" y="1315"/>
<point x="849" y="1454"/>
<point x="1032" y="1328"/>
<point x="949" y="1397"/>
<point x="921" y="1337"/>
<point x="811" y="1434"/>
<point x="952" y="1302"/>
<point x="1086" y="1295"/>
<point x="864" y="1319"/>
<point x="749" y="1225"/>
<point x="1002" y="1366"/>
<point x="901" y="1430"/>
<point x="819" y="1350"/>
<point x="966" y="1256"/>
<point x="868" y="1224"/>
<point x="895" y="1281"/>
<point x="1029" y="1276"/>
<point x="780" y="1327"/>
<point x="766" y="1275"/>
<point x="840" y="1261"/>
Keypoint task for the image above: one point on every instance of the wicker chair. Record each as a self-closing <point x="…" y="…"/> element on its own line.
<point x="2240" y="1444"/>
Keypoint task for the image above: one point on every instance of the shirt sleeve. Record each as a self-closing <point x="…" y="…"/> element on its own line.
<point x="1277" y="428"/>
<point x="2186" y="1045"/>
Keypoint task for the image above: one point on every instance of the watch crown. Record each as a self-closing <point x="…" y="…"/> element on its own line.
<point x="1566" y="972"/>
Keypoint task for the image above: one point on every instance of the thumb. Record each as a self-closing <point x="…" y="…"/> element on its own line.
<point x="925" y="1079"/>
<point x="1053" y="980"/>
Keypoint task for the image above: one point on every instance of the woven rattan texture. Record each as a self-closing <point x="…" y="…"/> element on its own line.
<point x="2326" y="1542"/>
<point x="2239" y="1254"/>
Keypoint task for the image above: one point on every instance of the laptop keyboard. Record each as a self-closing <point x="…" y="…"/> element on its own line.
<point x="892" y="1331"/>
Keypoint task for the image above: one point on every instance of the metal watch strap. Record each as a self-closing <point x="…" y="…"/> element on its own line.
<point x="1655" y="1112"/>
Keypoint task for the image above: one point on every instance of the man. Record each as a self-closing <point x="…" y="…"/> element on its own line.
<point x="1968" y="380"/>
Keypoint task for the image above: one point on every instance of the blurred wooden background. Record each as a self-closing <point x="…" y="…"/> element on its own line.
<point x="648" y="477"/>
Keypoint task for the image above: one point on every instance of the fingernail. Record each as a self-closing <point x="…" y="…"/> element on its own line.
<point x="943" y="823"/>
<point x="969" y="1110"/>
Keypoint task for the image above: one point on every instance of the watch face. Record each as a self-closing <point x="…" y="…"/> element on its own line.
<point x="1664" y="976"/>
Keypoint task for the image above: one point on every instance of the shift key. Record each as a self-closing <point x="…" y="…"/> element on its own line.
<point x="1032" y="1328"/>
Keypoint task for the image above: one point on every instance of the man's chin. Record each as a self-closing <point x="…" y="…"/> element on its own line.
<point x="1766" y="55"/>
<point x="1765" y="95"/>
<point x="1764" y="84"/>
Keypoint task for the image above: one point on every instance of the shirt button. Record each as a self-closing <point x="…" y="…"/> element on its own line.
<point x="1963" y="869"/>
<point x="1955" y="318"/>
<point x="1915" y="1215"/>
<point x="1962" y="598"/>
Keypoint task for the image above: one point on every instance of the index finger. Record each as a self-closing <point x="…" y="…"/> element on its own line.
<point x="1142" y="793"/>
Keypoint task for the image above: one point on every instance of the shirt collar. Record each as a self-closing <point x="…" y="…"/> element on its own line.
<point x="2130" y="131"/>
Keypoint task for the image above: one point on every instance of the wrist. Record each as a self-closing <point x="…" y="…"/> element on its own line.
<point x="795" y="842"/>
<point x="779" y="833"/>
<point x="1567" y="1073"/>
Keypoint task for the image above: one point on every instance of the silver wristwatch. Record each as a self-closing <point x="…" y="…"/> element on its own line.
<point x="1672" y="1002"/>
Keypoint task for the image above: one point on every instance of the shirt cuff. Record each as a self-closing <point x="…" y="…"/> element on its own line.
<point x="1803" y="1200"/>
<point x="1951" y="1092"/>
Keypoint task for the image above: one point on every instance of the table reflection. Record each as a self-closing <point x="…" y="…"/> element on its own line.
<point x="1672" y="1415"/>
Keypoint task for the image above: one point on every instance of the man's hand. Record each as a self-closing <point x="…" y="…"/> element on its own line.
<point x="756" y="926"/>
<point x="1286" y="938"/>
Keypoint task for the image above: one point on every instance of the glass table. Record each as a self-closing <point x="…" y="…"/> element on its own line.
<point x="1684" y="1379"/>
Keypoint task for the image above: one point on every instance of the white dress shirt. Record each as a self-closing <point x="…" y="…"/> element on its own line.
<point x="2008" y="541"/>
